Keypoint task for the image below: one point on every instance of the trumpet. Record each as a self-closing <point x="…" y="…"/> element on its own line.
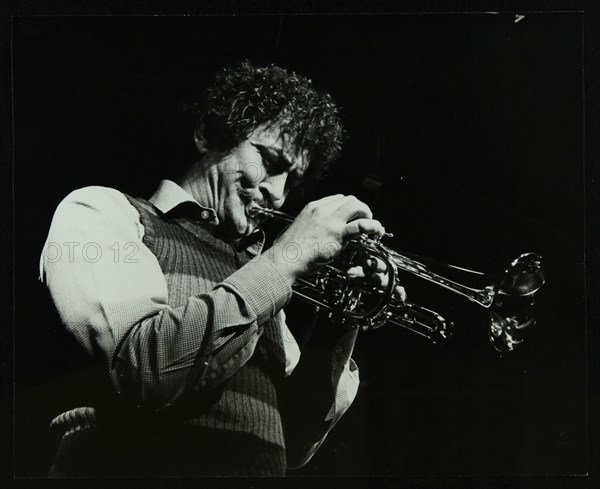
<point x="359" y="304"/>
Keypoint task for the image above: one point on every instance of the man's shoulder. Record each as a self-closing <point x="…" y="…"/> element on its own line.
<point x="96" y="200"/>
<point x="93" y="208"/>
<point x="93" y="193"/>
<point x="96" y="197"/>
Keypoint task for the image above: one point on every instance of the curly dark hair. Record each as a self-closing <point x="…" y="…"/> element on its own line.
<point x="242" y="97"/>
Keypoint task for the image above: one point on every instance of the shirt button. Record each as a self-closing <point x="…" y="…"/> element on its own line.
<point x="205" y="215"/>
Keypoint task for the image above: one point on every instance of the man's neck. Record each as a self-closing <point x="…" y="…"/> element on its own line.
<point x="197" y="182"/>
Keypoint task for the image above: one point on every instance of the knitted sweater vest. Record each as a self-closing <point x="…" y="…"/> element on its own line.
<point x="193" y="262"/>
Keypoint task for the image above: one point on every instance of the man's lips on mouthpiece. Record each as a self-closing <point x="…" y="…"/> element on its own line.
<point x="253" y="211"/>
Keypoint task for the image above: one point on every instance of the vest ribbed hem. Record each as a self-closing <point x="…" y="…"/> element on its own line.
<point x="189" y="452"/>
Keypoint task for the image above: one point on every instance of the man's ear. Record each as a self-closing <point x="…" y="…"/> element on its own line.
<point x="199" y="139"/>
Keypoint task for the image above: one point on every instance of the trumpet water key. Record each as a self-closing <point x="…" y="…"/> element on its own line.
<point x="357" y="303"/>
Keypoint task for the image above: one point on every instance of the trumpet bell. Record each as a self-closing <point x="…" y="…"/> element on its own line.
<point x="524" y="277"/>
<point x="512" y="312"/>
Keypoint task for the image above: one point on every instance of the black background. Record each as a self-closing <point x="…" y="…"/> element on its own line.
<point x="472" y="123"/>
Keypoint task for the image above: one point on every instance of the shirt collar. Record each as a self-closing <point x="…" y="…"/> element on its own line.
<point x="169" y="195"/>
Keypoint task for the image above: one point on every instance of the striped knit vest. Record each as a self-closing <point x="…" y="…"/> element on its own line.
<point x="193" y="262"/>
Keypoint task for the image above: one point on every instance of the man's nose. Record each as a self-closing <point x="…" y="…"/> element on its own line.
<point x="274" y="186"/>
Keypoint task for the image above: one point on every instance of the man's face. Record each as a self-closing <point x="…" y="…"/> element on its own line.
<point x="262" y="168"/>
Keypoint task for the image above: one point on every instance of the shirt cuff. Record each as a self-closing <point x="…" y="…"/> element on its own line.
<point x="263" y="285"/>
<point x="344" y="375"/>
<point x="346" y="388"/>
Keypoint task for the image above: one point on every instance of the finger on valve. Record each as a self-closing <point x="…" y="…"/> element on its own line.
<point x="380" y="280"/>
<point x="400" y="293"/>
<point x="355" y="272"/>
<point x="374" y="265"/>
<point x="363" y="226"/>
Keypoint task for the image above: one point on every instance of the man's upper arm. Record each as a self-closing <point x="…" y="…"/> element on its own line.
<point x="102" y="277"/>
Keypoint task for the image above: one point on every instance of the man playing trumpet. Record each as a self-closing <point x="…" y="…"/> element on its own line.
<point x="186" y="308"/>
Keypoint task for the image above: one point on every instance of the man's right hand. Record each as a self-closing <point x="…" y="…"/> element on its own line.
<point x="319" y="232"/>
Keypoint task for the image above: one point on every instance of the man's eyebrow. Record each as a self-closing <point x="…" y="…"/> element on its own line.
<point x="274" y="153"/>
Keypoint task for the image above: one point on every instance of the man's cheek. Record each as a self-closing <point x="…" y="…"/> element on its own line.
<point x="253" y="173"/>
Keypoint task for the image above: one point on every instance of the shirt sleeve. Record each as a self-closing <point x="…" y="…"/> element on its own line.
<point x="112" y="295"/>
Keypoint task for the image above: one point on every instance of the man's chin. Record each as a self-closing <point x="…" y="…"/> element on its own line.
<point x="239" y="224"/>
<point x="241" y="228"/>
<point x="250" y="228"/>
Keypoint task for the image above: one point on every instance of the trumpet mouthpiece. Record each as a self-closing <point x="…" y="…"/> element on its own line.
<point x="253" y="209"/>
